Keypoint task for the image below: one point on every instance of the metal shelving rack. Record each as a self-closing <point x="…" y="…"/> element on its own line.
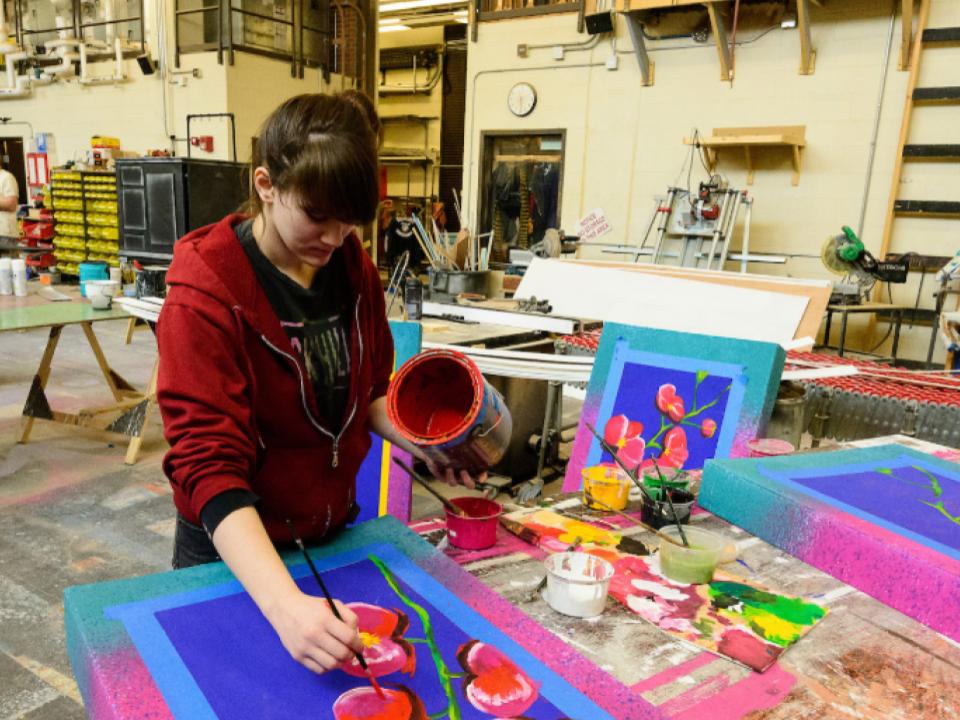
<point x="85" y="218"/>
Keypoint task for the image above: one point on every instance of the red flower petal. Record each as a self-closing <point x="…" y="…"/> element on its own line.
<point x="669" y="403"/>
<point x="632" y="452"/>
<point x="495" y="684"/>
<point x="634" y="429"/>
<point x="385" y="649"/>
<point x="363" y="703"/>
<point x="615" y="429"/>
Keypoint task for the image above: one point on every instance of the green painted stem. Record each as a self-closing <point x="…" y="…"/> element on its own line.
<point x="453" y="707"/>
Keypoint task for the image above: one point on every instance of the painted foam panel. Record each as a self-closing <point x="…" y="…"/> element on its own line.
<point x="116" y="684"/>
<point x="754" y="368"/>
<point x="811" y="506"/>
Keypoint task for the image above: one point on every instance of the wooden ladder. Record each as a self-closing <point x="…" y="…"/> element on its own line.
<point x="896" y="207"/>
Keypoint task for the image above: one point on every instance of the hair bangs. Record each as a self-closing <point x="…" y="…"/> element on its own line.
<point x="335" y="177"/>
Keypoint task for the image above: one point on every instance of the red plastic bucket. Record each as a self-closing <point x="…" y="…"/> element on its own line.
<point x="440" y="401"/>
<point x="478" y="530"/>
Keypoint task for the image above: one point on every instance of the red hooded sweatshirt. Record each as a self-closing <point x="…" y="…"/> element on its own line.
<point x="237" y="404"/>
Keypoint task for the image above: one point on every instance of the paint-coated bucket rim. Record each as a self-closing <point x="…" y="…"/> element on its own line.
<point x="475" y="517"/>
<point x="476" y="379"/>
<point x="609" y="569"/>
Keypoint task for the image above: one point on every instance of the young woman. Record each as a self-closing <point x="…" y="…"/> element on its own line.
<point x="275" y="355"/>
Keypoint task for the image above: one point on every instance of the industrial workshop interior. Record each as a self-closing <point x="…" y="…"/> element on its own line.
<point x="463" y="359"/>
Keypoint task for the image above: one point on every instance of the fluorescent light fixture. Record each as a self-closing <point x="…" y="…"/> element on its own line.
<point x="394" y="28"/>
<point x="389" y="21"/>
<point x="414" y="4"/>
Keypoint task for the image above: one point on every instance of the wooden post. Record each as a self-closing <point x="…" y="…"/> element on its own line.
<point x="720" y="34"/>
<point x="640" y="49"/>
<point x="43" y="374"/>
<point x="808" y="56"/>
<point x="150" y="397"/>
<point x="906" y="37"/>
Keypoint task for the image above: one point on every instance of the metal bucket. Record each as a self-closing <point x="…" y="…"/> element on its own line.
<point x="787" y="422"/>
<point x="446" y="285"/>
<point x="440" y="401"/>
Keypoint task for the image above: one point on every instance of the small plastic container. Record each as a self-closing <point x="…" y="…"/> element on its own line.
<point x="608" y="484"/>
<point x="478" y="530"/>
<point x="577" y="583"/>
<point x="693" y="565"/>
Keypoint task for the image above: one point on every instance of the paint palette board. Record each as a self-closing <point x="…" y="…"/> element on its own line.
<point x="885" y="520"/>
<point x="741" y="620"/>
<point x="677" y="397"/>
<point x="382" y="487"/>
<point x="191" y="644"/>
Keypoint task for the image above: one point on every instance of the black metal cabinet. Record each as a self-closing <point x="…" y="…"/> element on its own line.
<point x="162" y="199"/>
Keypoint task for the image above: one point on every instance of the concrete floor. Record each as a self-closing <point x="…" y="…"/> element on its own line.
<point x="71" y="512"/>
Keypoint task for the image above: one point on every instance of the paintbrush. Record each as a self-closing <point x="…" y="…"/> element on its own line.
<point x="608" y="448"/>
<point x="333" y="607"/>
<point x="634" y="520"/>
<point x="666" y="493"/>
<point x="426" y="485"/>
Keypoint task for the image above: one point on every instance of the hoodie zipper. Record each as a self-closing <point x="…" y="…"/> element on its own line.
<point x="335" y="460"/>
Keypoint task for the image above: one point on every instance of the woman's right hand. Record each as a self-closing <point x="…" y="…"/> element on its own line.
<point x="313" y="635"/>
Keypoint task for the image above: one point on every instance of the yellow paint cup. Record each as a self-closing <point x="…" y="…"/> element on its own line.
<point x="608" y="484"/>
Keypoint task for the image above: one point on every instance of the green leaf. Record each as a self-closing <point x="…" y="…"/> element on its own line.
<point x="702" y="375"/>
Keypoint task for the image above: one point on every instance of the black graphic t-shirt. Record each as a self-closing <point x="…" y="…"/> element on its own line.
<point x="316" y="321"/>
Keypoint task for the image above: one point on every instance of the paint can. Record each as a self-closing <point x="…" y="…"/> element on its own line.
<point x="770" y="447"/>
<point x="695" y="564"/>
<point x="478" y="530"/>
<point x="577" y="583"/>
<point x="608" y="484"/>
<point x="152" y="281"/>
<point x="92" y="270"/>
<point x="440" y="401"/>
<point x="659" y="515"/>
<point x="413" y="298"/>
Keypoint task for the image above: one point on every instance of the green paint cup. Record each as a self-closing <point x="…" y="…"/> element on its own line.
<point x="694" y="564"/>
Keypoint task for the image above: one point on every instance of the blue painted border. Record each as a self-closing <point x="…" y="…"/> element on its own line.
<point x="623" y="354"/>
<point x="787" y="477"/>
<point x="186" y="700"/>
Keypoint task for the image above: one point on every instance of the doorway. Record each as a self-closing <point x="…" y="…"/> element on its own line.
<point x="11" y="153"/>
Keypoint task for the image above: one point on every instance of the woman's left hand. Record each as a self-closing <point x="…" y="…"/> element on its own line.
<point x="454" y="478"/>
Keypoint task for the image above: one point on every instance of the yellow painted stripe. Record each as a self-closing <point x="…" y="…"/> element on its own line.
<point x="57" y="680"/>
<point x="384" y="478"/>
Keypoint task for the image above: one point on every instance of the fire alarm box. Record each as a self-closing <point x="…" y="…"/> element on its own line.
<point x="204" y="142"/>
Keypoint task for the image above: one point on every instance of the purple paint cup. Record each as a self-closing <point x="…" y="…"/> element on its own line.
<point x="477" y="530"/>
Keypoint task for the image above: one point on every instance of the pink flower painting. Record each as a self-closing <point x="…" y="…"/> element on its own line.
<point x="363" y="703"/>
<point x="385" y="650"/>
<point x="494" y="684"/>
<point x="668" y="443"/>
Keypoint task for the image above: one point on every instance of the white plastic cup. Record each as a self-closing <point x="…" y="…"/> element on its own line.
<point x="577" y="583"/>
<point x="19" y="271"/>
<point x="116" y="274"/>
<point x="6" y="277"/>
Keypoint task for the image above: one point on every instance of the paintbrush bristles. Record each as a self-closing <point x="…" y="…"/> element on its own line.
<point x="426" y="485"/>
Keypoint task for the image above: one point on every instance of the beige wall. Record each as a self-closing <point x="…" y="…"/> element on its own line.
<point x="255" y="85"/>
<point x="625" y="141"/>
<point x="134" y="110"/>
<point x="411" y="135"/>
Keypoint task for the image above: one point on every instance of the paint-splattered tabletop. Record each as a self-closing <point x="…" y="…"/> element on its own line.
<point x="864" y="660"/>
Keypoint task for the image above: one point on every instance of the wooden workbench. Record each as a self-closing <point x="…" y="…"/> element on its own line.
<point x="864" y="660"/>
<point x="34" y="312"/>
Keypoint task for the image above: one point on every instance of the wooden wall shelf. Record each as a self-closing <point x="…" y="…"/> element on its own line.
<point x="752" y="138"/>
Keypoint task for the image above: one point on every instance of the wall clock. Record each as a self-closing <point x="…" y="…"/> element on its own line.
<point x="522" y="99"/>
